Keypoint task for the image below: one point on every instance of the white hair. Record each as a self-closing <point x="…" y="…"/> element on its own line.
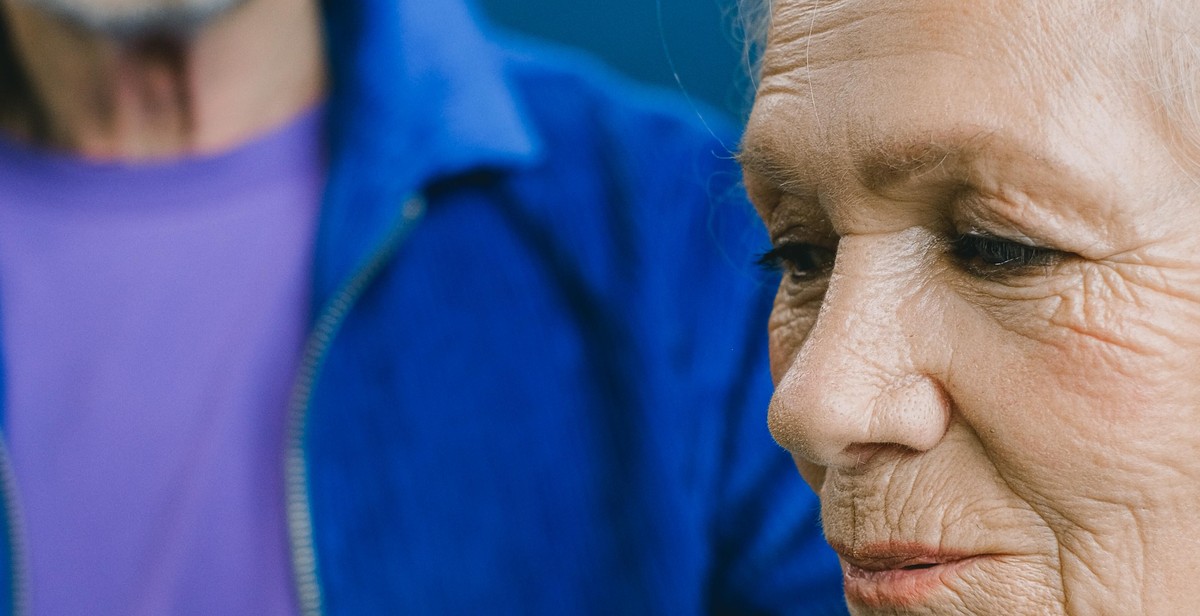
<point x="754" y="20"/>
<point x="1171" y="71"/>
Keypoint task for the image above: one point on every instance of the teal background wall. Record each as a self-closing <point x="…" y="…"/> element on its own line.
<point x="636" y="36"/>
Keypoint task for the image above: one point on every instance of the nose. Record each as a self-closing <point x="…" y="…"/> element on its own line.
<point x="863" y="380"/>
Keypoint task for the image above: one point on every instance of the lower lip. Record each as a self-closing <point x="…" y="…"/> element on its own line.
<point x="900" y="588"/>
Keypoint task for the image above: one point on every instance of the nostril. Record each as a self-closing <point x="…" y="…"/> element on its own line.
<point x="835" y="412"/>
<point x="858" y="454"/>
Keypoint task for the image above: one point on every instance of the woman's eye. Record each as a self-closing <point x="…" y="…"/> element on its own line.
<point x="986" y="255"/>
<point x="801" y="261"/>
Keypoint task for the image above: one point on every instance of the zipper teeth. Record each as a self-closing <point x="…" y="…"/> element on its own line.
<point x="299" y="508"/>
<point x="16" y="529"/>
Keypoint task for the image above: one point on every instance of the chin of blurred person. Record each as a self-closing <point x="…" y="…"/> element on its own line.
<point x="985" y="342"/>
<point x="143" y="80"/>
<point x="133" y="19"/>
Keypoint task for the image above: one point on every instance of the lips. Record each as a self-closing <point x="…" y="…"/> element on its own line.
<point x="888" y="556"/>
<point x="882" y="575"/>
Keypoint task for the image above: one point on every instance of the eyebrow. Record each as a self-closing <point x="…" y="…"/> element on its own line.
<point x="876" y="170"/>
<point x="887" y="163"/>
<point x="765" y="161"/>
<point x="895" y="163"/>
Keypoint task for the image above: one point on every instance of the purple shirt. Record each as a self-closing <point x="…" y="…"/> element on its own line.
<point x="153" y="317"/>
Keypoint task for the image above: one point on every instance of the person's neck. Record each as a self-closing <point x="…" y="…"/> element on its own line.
<point x="153" y="98"/>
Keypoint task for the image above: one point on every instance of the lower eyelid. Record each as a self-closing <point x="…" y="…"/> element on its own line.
<point x="803" y="293"/>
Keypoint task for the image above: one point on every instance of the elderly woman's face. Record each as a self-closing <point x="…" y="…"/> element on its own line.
<point x="987" y="338"/>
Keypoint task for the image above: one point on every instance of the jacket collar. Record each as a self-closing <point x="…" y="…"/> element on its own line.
<point x="418" y="93"/>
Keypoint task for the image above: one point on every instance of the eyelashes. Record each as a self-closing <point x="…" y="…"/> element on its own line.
<point x="988" y="256"/>
<point x="801" y="261"/>
<point x="980" y="255"/>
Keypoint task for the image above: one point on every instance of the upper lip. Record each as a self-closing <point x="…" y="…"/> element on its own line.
<point x="887" y="556"/>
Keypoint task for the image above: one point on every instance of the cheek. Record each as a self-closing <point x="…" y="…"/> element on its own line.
<point x="792" y="318"/>
<point x="1074" y="392"/>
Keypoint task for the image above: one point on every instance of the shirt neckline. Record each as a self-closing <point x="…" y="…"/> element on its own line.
<point x="49" y="178"/>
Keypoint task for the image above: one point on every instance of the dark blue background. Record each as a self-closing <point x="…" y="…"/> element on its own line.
<point x="635" y="36"/>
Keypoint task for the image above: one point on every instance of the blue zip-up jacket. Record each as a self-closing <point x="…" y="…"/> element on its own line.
<point x="536" y="379"/>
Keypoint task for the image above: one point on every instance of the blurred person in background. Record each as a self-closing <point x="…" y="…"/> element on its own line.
<point x="347" y="309"/>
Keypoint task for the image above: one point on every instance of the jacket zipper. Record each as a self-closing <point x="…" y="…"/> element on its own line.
<point x="299" y="507"/>
<point x="299" y="514"/>
<point x="16" y="532"/>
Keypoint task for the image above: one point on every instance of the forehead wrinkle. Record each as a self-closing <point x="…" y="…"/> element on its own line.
<point x="795" y="23"/>
<point x="806" y="140"/>
<point x="811" y="35"/>
<point x="808" y="36"/>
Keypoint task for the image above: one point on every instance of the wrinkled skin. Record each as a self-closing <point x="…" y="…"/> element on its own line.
<point x="1003" y="359"/>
